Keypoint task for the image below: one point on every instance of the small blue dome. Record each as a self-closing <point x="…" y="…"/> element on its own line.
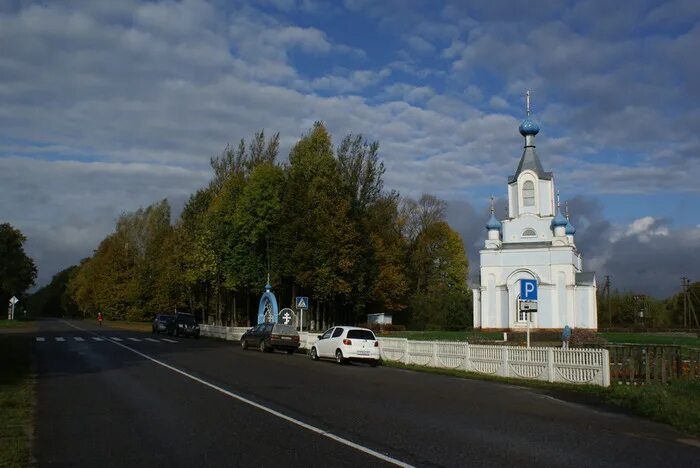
<point x="570" y="229"/>
<point x="559" y="220"/>
<point x="529" y="127"/>
<point x="493" y="224"/>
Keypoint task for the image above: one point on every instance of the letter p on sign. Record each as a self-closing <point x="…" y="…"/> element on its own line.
<point x="528" y="290"/>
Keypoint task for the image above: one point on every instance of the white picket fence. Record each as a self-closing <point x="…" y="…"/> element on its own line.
<point x="580" y="366"/>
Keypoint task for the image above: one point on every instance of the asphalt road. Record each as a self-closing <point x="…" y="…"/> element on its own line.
<point x="114" y="398"/>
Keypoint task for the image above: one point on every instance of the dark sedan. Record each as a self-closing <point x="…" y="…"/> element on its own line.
<point x="183" y="325"/>
<point x="160" y="323"/>
<point x="268" y="336"/>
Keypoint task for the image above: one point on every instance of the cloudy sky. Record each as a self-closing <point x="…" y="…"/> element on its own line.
<point x="107" y="105"/>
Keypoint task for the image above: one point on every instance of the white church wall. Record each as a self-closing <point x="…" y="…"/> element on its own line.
<point x="513" y="208"/>
<point x="503" y="319"/>
<point x="562" y="306"/>
<point x="546" y="197"/>
<point x="513" y="229"/>
<point x="581" y="307"/>
<point x="491" y="305"/>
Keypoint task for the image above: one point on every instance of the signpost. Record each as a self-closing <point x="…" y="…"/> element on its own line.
<point x="528" y="301"/>
<point x="286" y="316"/>
<point x="11" y="310"/>
<point x="302" y="304"/>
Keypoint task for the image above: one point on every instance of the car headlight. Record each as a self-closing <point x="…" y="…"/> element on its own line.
<point x="180" y="325"/>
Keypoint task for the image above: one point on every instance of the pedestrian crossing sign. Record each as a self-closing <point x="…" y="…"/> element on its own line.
<point x="302" y="302"/>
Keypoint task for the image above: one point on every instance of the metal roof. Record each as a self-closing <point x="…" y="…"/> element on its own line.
<point x="530" y="161"/>
<point x="586" y="278"/>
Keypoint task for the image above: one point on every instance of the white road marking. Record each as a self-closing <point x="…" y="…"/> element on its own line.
<point x="153" y="340"/>
<point x="168" y="340"/>
<point x="97" y="338"/>
<point x="115" y="338"/>
<point x="40" y="338"/>
<point x="134" y="339"/>
<point x="77" y="338"/>
<point x="60" y="338"/>
<point x="271" y="411"/>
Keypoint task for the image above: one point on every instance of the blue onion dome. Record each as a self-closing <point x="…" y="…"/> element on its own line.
<point x="559" y="220"/>
<point x="529" y="127"/>
<point x="570" y="229"/>
<point x="493" y="224"/>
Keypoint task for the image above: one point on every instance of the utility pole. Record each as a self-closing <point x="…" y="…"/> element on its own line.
<point x="684" y="289"/>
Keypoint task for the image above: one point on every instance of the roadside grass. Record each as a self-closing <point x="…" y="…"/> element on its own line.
<point x="15" y="324"/>
<point x="676" y="404"/>
<point x="684" y="339"/>
<point x="16" y="400"/>
<point x="444" y="335"/>
<point x="130" y="326"/>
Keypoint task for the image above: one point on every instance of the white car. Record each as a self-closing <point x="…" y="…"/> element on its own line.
<point x="347" y="344"/>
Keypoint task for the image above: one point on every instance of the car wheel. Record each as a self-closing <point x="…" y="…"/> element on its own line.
<point x="314" y="354"/>
<point x="176" y="332"/>
<point x="339" y="357"/>
<point x="290" y="351"/>
<point x="244" y="344"/>
<point x="263" y="348"/>
<point x="374" y="363"/>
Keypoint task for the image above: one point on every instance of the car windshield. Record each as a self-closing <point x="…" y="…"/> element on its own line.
<point x="285" y="330"/>
<point x="361" y="335"/>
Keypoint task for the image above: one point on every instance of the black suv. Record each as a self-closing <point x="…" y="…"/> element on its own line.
<point x="183" y="324"/>
<point x="269" y="336"/>
<point x="160" y="323"/>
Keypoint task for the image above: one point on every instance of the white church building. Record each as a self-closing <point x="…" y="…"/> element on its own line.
<point x="535" y="241"/>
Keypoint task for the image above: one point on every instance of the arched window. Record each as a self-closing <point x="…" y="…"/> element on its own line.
<point x="529" y="232"/>
<point x="528" y="193"/>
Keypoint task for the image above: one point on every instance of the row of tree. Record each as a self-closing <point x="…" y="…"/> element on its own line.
<point x="627" y="309"/>
<point x="321" y="225"/>
<point x="17" y="270"/>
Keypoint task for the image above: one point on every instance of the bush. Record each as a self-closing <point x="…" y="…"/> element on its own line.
<point x="447" y="309"/>
<point x="582" y="337"/>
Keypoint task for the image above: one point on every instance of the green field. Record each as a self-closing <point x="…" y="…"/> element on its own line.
<point x="653" y="338"/>
<point x="444" y="335"/>
<point x="684" y="339"/>
<point x="16" y="399"/>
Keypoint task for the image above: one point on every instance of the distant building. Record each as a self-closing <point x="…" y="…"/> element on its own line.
<point x="380" y="319"/>
<point x="536" y="241"/>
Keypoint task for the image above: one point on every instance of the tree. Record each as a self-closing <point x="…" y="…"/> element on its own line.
<point x="53" y="299"/>
<point x="439" y="266"/>
<point x="17" y="270"/>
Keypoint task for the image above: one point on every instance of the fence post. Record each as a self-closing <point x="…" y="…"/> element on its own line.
<point x="406" y="358"/>
<point x="435" y="356"/>
<point x="550" y="364"/>
<point x="506" y="371"/>
<point x="605" y="362"/>
<point x="647" y="366"/>
<point x="467" y="357"/>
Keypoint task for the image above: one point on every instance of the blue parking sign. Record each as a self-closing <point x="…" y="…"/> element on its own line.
<point x="528" y="290"/>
